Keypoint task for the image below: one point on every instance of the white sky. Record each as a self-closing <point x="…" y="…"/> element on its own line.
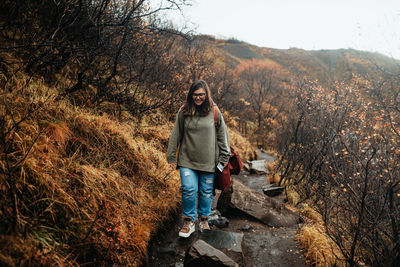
<point x="371" y="25"/>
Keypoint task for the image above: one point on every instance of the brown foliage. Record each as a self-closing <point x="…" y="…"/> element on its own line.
<point x="339" y="150"/>
<point x="85" y="188"/>
<point x="116" y="51"/>
<point x="261" y="94"/>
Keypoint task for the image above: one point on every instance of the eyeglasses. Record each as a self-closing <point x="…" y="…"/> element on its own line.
<point x="201" y="95"/>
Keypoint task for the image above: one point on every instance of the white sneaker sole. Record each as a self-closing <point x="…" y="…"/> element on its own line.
<point x="186" y="235"/>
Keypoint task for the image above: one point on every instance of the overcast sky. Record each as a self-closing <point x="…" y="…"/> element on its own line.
<point x="372" y="25"/>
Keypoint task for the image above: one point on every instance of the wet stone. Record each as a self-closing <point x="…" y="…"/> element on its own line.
<point x="221" y="222"/>
<point x="223" y="240"/>
<point x="214" y="214"/>
<point x="257" y="205"/>
<point x="215" y="219"/>
<point x="247" y="227"/>
<point x="275" y="252"/>
<point x="203" y="254"/>
<point x="257" y="166"/>
<point x="272" y="190"/>
<point x="255" y="182"/>
<point x="267" y="248"/>
<point x="266" y="156"/>
<point x="166" y="251"/>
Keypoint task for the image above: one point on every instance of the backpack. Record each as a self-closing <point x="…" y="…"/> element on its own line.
<point x="223" y="179"/>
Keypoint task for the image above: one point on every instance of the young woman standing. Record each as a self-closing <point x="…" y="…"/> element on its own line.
<point x="201" y="146"/>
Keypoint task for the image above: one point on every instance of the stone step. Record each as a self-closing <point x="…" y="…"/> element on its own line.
<point x="272" y="190"/>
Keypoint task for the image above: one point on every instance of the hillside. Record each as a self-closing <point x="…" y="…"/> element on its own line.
<point x="90" y="188"/>
<point x="333" y="118"/>
<point x="323" y="65"/>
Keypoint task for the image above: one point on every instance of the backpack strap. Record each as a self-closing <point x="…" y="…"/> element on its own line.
<point x="181" y="122"/>
<point x="215" y="109"/>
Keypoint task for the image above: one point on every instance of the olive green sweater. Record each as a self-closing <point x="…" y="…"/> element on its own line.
<point x="200" y="145"/>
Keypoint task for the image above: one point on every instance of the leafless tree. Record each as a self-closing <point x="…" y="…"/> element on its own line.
<point x="341" y="155"/>
<point x="107" y="50"/>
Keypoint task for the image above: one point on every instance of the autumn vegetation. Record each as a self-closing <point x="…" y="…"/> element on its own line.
<point x="89" y="91"/>
<point x="341" y="154"/>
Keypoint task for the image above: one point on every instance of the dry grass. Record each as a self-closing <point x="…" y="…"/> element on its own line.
<point x="92" y="189"/>
<point x="319" y="249"/>
<point x="292" y="196"/>
<point x="241" y="145"/>
<point x="238" y="142"/>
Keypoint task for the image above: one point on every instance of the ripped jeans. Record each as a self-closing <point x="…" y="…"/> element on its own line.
<point x="191" y="182"/>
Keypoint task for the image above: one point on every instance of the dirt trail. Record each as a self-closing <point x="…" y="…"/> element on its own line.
<point x="262" y="245"/>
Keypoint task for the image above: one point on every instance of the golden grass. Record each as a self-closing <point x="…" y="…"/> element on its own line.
<point x="241" y="145"/>
<point x="22" y="251"/>
<point x="292" y="196"/>
<point x="319" y="249"/>
<point x="92" y="190"/>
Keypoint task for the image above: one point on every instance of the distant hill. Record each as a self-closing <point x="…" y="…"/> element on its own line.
<point x="324" y="65"/>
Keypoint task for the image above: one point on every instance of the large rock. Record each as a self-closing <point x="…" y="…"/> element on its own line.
<point x="275" y="247"/>
<point x="224" y="240"/>
<point x="255" y="182"/>
<point x="256" y="166"/>
<point x="256" y="204"/>
<point x="202" y="254"/>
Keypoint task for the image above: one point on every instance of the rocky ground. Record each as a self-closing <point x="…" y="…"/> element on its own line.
<point x="247" y="241"/>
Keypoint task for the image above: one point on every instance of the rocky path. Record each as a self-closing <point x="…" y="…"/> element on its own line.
<point x="246" y="240"/>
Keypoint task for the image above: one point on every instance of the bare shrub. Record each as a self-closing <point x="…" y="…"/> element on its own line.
<point x="117" y="51"/>
<point x="341" y="152"/>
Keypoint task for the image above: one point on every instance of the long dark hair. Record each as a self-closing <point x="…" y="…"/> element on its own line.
<point x="189" y="108"/>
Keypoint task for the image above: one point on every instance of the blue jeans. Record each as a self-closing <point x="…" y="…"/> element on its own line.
<point x="192" y="182"/>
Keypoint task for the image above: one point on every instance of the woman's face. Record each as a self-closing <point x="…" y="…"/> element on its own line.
<point x="199" y="96"/>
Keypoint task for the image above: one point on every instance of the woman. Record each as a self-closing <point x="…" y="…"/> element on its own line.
<point x="201" y="146"/>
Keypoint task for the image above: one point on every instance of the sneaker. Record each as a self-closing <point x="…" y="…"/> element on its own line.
<point x="203" y="224"/>
<point x="188" y="227"/>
